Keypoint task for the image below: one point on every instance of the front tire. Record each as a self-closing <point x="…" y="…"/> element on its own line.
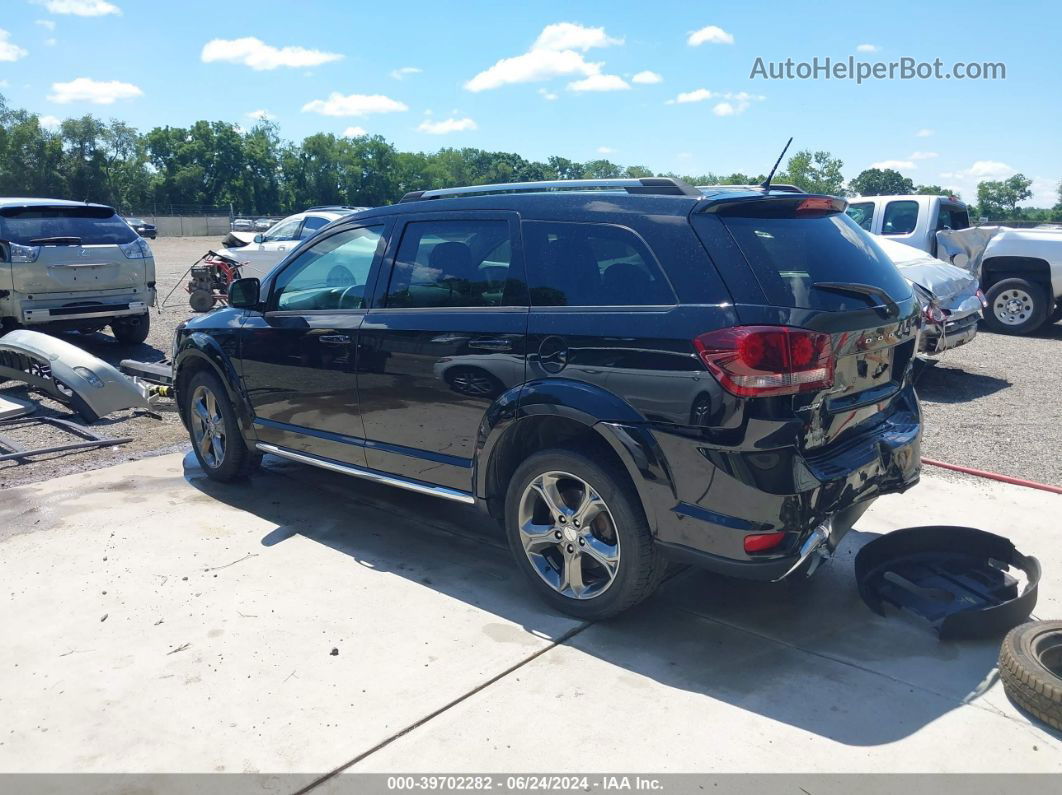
<point x="1016" y="306"/>
<point x="132" y="331"/>
<point x="580" y="536"/>
<point x="214" y="430"/>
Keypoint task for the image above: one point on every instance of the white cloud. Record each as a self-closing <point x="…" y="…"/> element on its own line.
<point x="47" y="24"/>
<point x="532" y="67"/>
<point x="403" y="71"/>
<point x="599" y="82"/>
<point x="867" y="48"/>
<point x="260" y="56"/>
<point x="1044" y="193"/>
<point x="98" y="92"/>
<point x="260" y="115"/>
<point x="553" y="55"/>
<point x="3" y="84"/>
<point x="51" y="42"/>
<point x="547" y="95"/>
<point x="981" y="170"/>
<point x="49" y="122"/>
<point x="732" y="104"/>
<point x="606" y="150"/>
<point x="710" y="34"/>
<point x="895" y="165"/>
<point x="80" y="8"/>
<point x="354" y="132"/>
<point x="354" y="105"/>
<point x="647" y="77"/>
<point x="570" y="36"/>
<point x="925" y="132"/>
<point x="446" y="126"/>
<point x="9" y="51"/>
<point x="923" y="155"/>
<point x="697" y="95"/>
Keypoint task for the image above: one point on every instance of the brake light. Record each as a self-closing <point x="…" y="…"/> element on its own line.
<point x="762" y="542"/>
<point x="818" y="204"/>
<point x="933" y="313"/>
<point x="760" y="361"/>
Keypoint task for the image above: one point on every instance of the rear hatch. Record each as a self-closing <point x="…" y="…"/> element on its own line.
<point x="64" y="249"/>
<point x="850" y="319"/>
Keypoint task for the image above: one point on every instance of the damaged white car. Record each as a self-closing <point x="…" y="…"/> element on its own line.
<point x="951" y="299"/>
<point x="258" y="253"/>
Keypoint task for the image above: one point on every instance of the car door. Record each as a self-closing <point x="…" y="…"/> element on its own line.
<point x="263" y="255"/>
<point x="443" y="339"/>
<point x="298" y="357"/>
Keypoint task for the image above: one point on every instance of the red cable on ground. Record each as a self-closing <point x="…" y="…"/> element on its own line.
<point x="981" y="473"/>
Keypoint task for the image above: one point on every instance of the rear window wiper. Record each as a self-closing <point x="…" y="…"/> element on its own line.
<point x="56" y="241"/>
<point x="869" y="291"/>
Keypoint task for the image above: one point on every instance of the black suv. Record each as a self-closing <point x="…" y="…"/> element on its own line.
<point x="619" y="371"/>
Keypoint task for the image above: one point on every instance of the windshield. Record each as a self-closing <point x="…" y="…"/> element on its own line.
<point x="94" y="226"/>
<point x="790" y="253"/>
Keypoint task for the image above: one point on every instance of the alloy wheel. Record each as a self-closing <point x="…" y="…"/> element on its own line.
<point x="208" y="426"/>
<point x="569" y="535"/>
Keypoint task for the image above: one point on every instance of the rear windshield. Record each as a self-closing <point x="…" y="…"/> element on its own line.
<point x="790" y="254"/>
<point x="92" y="225"/>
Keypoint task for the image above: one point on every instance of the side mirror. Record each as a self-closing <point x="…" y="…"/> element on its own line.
<point x="259" y="238"/>
<point x="244" y="293"/>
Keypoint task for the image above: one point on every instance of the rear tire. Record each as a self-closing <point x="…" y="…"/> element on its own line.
<point x="1016" y="306"/>
<point x="214" y="430"/>
<point x="597" y="561"/>
<point x="132" y="331"/>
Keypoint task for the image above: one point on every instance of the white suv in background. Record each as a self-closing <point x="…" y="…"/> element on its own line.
<point x="258" y="253"/>
<point x="73" y="266"/>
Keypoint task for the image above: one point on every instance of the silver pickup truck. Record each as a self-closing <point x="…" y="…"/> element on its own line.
<point x="72" y="266"/>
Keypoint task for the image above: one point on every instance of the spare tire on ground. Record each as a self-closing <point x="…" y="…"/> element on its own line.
<point x="1030" y="665"/>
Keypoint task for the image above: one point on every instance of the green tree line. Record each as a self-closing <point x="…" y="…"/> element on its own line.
<point x="256" y="172"/>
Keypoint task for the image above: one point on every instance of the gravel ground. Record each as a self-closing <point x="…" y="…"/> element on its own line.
<point x="994" y="404"/>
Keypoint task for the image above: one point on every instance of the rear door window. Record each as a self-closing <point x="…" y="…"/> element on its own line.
<point x="573" y="264"/>
<point x="455" y="263"/>
<point x="93" y="226"/>
<point x="862" y="213"/>
<point x="900" y="218"/>
<point x="790" y="254"/>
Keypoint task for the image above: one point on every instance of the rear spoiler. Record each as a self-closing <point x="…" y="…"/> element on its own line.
<point x="804" y="202"/>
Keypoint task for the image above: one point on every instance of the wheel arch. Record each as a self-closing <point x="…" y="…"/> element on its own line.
<point x="1034" y="269"/>
<point x="562" y="413"/>
<point x="201" y="352"/>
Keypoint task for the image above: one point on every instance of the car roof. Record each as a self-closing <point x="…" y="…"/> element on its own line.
<point x="16" y="201"/>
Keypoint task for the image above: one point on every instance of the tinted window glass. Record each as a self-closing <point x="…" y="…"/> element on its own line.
<point x="591" y="265"/>
<point x="455" y="263"/>
<point x="94" y="226"/>
<point x="900" y="218"/>
<point x="957" y="217"/>
<point x="789" y="255"/>
<point x="862" y="213"/>
<point x="311" y="224"/>
<point x="331" y="274"/>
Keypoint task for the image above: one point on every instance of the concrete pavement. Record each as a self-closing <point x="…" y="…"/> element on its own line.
<point x="155" y="621"/>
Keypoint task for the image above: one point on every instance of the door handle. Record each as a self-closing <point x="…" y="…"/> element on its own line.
<point x="282" y="248"/>
<point x="334" y="339"/>
<point x="499" y="344"/>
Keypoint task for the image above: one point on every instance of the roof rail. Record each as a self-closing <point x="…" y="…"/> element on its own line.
<point x="774" y="186"/>
<point x="334" y="207"/>
<point x="658" y="186"/>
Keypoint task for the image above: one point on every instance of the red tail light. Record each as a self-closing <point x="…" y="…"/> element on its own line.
<point x="759" y="361"/>
<point x="934" y="314"/>
<point x="762" y="542"/>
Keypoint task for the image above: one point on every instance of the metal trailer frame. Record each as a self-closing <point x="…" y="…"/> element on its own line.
<point x="11" y="451"/>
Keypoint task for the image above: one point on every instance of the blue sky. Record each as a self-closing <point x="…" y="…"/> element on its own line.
<point x="511" y="76"/>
